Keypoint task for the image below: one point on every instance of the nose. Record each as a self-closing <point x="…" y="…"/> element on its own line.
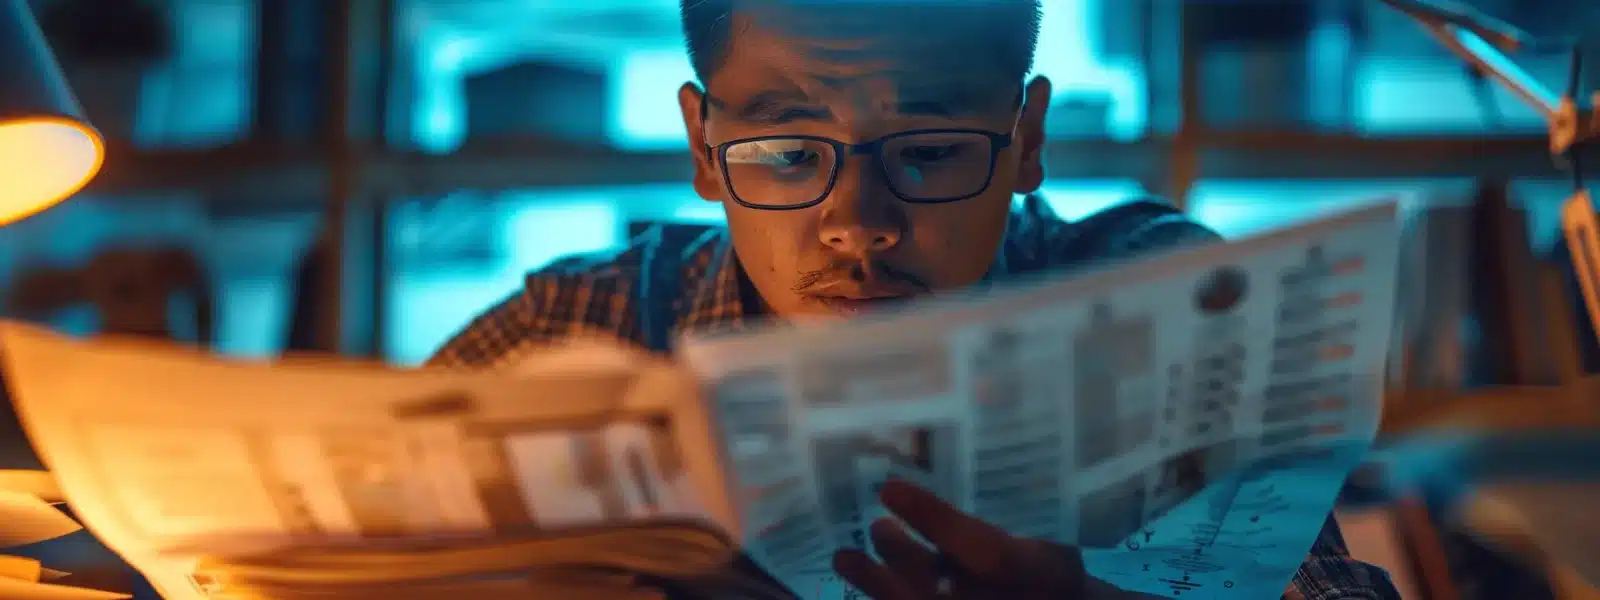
<point x="861" y="216"/>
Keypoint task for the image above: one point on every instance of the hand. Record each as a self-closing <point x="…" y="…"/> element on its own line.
<point x="970" y="560"/>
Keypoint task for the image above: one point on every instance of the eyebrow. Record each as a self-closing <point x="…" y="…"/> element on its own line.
<point x="780" y="106"/>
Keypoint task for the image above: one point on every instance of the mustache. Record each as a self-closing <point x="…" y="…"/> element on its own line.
<point x="856" y="272"/>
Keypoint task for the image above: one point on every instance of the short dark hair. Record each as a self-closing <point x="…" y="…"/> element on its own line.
<point x="708" y="25"/>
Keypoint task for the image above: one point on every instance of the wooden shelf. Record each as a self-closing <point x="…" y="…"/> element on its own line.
<point x="251" y="176"/>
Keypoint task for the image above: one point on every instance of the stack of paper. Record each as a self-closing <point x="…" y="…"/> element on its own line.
<point x="27" y="517"/>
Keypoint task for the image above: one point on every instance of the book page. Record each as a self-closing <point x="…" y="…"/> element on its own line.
<point x="25" y="519"/>
<point x="178" y="460"/>
<point x="1188" y="420"/>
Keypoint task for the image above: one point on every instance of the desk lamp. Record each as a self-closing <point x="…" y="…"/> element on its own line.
<point x="47" y="150"/>
<point x="47" y="153"/>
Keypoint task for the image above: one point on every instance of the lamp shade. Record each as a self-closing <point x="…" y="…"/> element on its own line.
<point x="47" y="150"/>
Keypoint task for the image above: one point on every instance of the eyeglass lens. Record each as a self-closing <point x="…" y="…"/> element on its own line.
<point x="918" y="167"/>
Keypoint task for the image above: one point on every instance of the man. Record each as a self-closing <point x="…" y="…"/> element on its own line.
<point x="861" y="160"/>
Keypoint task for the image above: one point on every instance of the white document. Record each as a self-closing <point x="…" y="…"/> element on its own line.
<point x="178" y="460"/>
<point x="25" y="519"/>
<point x="1189" y="419"/>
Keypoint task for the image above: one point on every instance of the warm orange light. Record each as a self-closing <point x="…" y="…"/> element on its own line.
<point x="44" y="161"/>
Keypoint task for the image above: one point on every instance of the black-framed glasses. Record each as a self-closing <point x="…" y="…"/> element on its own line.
<point x="924" y="166"/>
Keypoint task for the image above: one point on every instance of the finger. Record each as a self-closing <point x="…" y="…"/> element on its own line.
<point x="911" y="561"/>
<point x="871" y="578"/>
<point x="977" y="546"/>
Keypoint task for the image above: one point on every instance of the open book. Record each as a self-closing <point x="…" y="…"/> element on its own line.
<point x="1188" y="418"/>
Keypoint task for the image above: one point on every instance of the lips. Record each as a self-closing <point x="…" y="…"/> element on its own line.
<point x="848" y="296"/>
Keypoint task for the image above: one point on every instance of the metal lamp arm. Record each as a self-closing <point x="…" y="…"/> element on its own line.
<point x="1484" y="42"/>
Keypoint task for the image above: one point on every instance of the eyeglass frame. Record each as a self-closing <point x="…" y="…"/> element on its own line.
<point x="998" y="142"/>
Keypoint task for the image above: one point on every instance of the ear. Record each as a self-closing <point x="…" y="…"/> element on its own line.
<point x="1030" y="135"/>
<point x="707" y="183"/>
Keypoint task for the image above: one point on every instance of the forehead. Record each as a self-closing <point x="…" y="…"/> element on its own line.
<point x="846" y="51"/>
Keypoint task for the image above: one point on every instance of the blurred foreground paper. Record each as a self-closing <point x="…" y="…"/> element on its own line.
<point x="21" y="568"/>
<point x="1187" y="419"/>
<point x="1227" y="389"/>
<point x="26" y="519"/>
<point x="12" y="589"/>
<point x="214" y="476"/>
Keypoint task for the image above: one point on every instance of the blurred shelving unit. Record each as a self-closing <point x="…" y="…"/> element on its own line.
<point x="353" y="167"/>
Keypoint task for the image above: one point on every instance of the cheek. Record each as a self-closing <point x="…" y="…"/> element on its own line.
<point x="957" y="242"/>
<point x="768" y="241"/>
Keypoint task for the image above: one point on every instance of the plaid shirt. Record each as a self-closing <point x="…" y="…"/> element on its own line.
<point x="677" y="279"/>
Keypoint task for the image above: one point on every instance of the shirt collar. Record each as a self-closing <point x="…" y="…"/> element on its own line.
<point x="716" y="298"/>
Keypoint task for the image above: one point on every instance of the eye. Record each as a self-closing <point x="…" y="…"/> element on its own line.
<point x="793" y="158"/>
<point x="780" y="154"/>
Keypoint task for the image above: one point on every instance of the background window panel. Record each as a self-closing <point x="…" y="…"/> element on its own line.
<point x="249" y="264"/>
<point x="431" y="301"/>
<point x="201" y="95"/>
<point x="1107" y="94"/>
<point x="1244" y="208"/>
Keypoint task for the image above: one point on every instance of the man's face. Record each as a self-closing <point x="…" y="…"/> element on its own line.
<point x="837" y="251"/>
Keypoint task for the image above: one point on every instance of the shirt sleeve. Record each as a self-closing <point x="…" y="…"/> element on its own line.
<point x="1131" y="230"/>
<point x="578" y="295"/>
<point x="1330" y="573"/>
<point x="1146" y="227"/>
<point x="511" y="324"/>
